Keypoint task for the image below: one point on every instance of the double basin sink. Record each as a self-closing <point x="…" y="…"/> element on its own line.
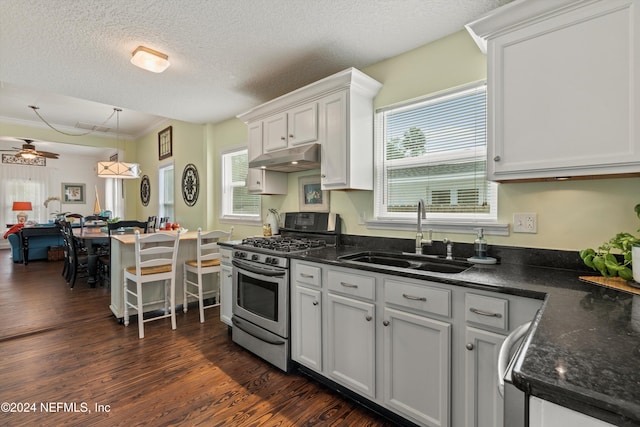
<point x="408" y="262"/>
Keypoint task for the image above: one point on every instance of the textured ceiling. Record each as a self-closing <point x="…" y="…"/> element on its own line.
<point x="227" y="56"/>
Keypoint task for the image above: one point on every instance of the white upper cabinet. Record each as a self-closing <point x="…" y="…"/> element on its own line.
<point x="335" y="112"/>
<point x="255" y="140"/>
<point x="563" y="88"/>
<point x="293" y="127"/>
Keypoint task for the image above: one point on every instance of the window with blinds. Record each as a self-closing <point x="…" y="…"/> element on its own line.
<point x="435" y="149"/>
<point x="237" y="203"/>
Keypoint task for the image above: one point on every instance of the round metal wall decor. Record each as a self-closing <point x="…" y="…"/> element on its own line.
<point x="145" y="190"/>
<point x="190" y="184"/>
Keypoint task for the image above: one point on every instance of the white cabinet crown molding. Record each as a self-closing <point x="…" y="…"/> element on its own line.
<point x="517" y="14"/>
<point x="349" y="78"/>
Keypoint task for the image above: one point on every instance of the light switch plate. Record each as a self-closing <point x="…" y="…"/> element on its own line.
<point x="525" y="223"/>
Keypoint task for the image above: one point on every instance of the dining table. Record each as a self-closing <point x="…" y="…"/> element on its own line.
<point x="91" y="237"/>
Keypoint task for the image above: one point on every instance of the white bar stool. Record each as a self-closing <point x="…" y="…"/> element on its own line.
<point x="156" y="256"/>
<point x="207" y="262"/>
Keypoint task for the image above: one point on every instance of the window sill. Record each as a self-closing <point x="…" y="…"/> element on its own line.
<point x="462" y="227"/>
<point x="240" y="220"/>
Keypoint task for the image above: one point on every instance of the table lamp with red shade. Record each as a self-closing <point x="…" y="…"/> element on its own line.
<point x="21" y="207"/>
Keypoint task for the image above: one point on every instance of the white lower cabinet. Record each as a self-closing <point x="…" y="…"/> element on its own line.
<point x="483" y="405"/>
<point x="417" y="366"/>
<point x="426" y="351"/>
<point x="306" y="327"/>
<point x="351" y="343"/>
<point x="226" y="285"/>
<point x="543" y="413"/>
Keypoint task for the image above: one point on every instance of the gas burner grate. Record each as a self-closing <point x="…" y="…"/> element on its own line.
<point x="283" y="244"/>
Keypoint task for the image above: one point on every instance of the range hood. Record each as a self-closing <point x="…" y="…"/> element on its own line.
<point x="294" y="159"/>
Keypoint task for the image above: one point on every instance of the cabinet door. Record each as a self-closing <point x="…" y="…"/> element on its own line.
<point x="260" y="181"/>
<point x="306" y="327"/>
<point x="335" y="158"/>
<point x="226" y="301"/>
<point x="417" y="367"/>
<point x="564" y="95"/>
<point x="255" y="140"/>
<point x="351" y="344"/>
<point x="303" y="124"/>
<point x="484" y="407"/>
<point x="275" y="132"/>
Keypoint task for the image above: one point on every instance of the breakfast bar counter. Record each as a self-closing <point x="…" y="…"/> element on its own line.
<point x="123" y="255"/>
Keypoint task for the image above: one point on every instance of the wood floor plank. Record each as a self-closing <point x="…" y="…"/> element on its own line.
<point x="62" y="346"/>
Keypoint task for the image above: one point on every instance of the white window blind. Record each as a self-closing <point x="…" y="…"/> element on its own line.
<point x="166" y="191"/>
<point x="435" y="149"/>
<point x="237" y="203"/>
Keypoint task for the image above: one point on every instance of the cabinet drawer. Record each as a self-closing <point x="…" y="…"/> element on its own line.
<point x="419" y="297"/>
<point x="308" y="274"/>
<point x="352" y="284"/>
<point x="487" y="311"/>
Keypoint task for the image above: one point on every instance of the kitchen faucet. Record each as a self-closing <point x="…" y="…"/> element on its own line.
<point x="422" y="214"/>
<point x="449" y="245"/>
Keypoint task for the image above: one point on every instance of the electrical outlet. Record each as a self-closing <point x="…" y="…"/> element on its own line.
<point x="525" y="223"/>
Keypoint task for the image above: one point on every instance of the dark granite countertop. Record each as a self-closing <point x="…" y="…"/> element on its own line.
<point x="583" y="350"/>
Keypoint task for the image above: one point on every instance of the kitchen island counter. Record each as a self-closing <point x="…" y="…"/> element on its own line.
<point x="583" y="350"/>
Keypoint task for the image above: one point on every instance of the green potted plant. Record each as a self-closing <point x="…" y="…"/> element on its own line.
<point x="614" y="258"/>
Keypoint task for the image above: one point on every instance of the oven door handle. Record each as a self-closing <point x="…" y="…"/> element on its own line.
<point x="264" y="338"/>
<point x="257" y="270"/>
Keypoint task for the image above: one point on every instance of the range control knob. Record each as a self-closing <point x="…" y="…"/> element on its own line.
<point x="254" y="257"/>
<point x="267" y="260"/>
<point x="274" y="261"/>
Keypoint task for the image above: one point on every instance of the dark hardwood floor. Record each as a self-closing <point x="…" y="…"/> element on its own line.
<point x="61" y="347"/>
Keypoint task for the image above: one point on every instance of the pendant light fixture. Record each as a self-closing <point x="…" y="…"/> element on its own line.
<point x="149" y="59"/>
<point x="121" y="170"/>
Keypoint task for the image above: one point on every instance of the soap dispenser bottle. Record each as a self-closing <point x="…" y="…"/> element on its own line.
<point x="480" y="245"/>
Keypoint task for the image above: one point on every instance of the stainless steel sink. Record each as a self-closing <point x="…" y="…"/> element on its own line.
<point x="408" y="262"/>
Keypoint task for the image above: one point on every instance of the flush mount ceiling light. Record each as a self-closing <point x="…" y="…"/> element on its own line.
<point x="149" y="59"/>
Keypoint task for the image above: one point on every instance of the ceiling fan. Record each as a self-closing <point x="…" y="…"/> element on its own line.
<point x="28" y="150"/>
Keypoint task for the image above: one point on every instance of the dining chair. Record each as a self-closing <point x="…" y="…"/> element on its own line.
<point x="104" y="259"/>
<point x="207" y="262"/>
<point x="75" y="261"/>
<point x="152" y="221"/>
<point x="155" y="257"/>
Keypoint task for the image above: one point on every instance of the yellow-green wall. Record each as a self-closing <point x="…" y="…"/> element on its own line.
<point x="571" y="214"/>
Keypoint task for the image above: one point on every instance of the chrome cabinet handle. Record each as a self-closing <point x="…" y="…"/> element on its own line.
<point x="368" y="318"/>
<point x="307" y="276"/>
<point x="469" y="346"/>
<point x="315" y="303"/>
<point x="386" y="323"/>
<point x="348" y="285"/>
<point x="485" y="313"/>
<point x="290" y="136"/>
<point x="282" y="138"/>
<point x="258" y="182"/>
<point x="411" y="297"/>
<point x="323" y="176"/>
<point x="496" y="159"/>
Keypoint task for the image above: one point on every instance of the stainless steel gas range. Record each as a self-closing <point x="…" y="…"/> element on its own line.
<point x="261" y="282"/>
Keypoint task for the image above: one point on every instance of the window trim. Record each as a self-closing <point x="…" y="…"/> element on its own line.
<point x="463" y="223"/>
<point x="234" y="218"/>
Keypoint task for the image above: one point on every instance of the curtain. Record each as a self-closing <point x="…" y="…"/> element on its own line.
<point x="20" y="183"/>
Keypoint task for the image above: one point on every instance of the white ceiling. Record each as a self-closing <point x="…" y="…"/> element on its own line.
<point x="71" y="57"/>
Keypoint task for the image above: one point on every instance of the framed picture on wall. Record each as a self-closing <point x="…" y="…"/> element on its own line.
<point x="73" y="193"/>
<point x="311" y="197"/>
<point x="165" y="143"/>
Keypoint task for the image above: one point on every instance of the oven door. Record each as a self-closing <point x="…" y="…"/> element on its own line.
<point x="261" y="295"/>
